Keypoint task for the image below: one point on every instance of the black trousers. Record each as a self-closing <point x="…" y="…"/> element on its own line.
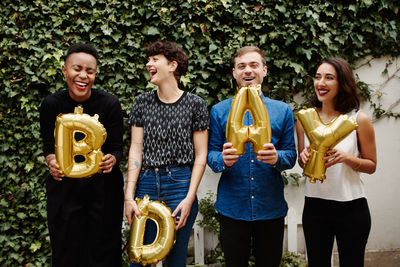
<point x="263" y="237"/>
<point x="85" y="220"/>
<point x="349" y="222"/>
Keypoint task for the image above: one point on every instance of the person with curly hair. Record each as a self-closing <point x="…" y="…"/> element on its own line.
<point x="168" y="150"/>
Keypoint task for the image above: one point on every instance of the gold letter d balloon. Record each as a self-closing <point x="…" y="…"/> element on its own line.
<point x="89" y="147"/>
<point x="248" y="98"/>
<point x="322" y="137"/>
<point x="165" y="239"/>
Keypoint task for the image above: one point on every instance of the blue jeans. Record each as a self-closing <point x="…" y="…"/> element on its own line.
<point x="169" y="184"/>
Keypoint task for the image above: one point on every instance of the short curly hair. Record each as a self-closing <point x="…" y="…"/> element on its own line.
<point x="84" y="48"/>
<point x="173" y="53"/>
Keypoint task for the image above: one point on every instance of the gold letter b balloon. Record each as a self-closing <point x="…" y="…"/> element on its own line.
<point x="248" y="98"/>
<point x="89" y="147"/>
<point x="165" y="239"/>
<point x="322" y="137"/>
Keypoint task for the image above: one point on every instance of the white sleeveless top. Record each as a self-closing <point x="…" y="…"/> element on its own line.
<point x="342" y="183"/>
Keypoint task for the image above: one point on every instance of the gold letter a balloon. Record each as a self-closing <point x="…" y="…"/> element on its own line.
<point x="165" y="239"/>
<point x="89" y="147"/>
<point x="248" y="98"/>
<point x="322" y="137"/>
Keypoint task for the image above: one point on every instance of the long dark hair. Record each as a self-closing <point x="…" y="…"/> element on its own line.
<point x="347" y="98"/>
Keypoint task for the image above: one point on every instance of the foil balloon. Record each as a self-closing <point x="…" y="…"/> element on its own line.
<point x="89" y="148"/>
<point x="248" y="99"/>
<point x="322" y="137"/>
<point x="165" y="239"/>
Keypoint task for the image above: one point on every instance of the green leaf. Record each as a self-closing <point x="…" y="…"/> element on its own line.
<point x="35" y="246"/>
<point x="106" y="29"/>
<point x="297" y="67"/>
<point x="21" y="215"/>
<point x="367" y="2"/>
<point x="3" y="203"/>
<point x="281" y="9"/>
<point x="29" y="166"/>
<point x="212" y="47"/>
<point x="116" y="36"/>
<point x="151" y="30"/>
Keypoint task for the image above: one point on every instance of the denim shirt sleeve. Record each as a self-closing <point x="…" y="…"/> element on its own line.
<point x="286" y="147"/>
<point x="216" y="141"/>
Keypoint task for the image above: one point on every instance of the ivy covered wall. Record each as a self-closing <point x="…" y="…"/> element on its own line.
<point x="35" y="34"/>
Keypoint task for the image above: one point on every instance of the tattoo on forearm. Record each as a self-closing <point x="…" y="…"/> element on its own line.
<point x="133" y="164"/>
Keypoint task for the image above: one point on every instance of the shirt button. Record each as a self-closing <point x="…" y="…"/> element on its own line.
<point x="252" y="161"/>
<point x="252" y="178"/>
<point x="252" y="196"/>
<point x="156" y="169"/>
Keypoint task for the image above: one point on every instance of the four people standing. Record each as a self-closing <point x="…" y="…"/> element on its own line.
<point x="167" y="158"/>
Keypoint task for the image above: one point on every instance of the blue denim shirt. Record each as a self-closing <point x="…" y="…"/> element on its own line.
<point x="250" y="189"/>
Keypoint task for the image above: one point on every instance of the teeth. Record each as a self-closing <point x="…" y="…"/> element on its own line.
<point x="81" y="83"/>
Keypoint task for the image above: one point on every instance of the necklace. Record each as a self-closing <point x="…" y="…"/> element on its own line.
<point x="328" y="118"/>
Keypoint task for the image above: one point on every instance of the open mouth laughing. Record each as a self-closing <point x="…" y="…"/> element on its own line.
<point x="152" y="72"/>
<point x="81" y="85"/>
<point x="322" y="92"/>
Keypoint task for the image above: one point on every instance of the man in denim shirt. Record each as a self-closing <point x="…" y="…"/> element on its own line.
<point x="250" y="199"/>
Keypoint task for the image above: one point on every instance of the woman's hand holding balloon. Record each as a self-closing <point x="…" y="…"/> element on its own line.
<point x="305" y="156"/>
<point x="131" y="209"/>
<point x="334" y="156"/>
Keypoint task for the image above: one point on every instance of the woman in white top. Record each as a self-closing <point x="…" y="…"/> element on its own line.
<point x="338" y="208"/>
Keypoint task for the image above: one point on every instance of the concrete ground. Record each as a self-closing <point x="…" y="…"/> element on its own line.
<point x="377" y="259"/>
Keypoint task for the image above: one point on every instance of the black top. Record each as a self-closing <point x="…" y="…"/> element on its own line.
<point x="102" y="103"/>
<point x="168" y="128"/>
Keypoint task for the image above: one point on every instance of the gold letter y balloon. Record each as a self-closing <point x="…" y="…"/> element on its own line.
<point x="248" y="98"/>
<point x="89" y="147"/>
<point x="322" y="137"/>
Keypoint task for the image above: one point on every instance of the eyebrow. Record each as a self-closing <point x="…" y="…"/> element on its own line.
<point x="326" y="74"/>
<point x="244" y="63"/>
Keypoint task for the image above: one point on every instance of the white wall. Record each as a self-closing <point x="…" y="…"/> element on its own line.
<point x="382" y="187"/>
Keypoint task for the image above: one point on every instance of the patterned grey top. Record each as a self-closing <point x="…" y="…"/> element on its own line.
<point x="168" y="128"/>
